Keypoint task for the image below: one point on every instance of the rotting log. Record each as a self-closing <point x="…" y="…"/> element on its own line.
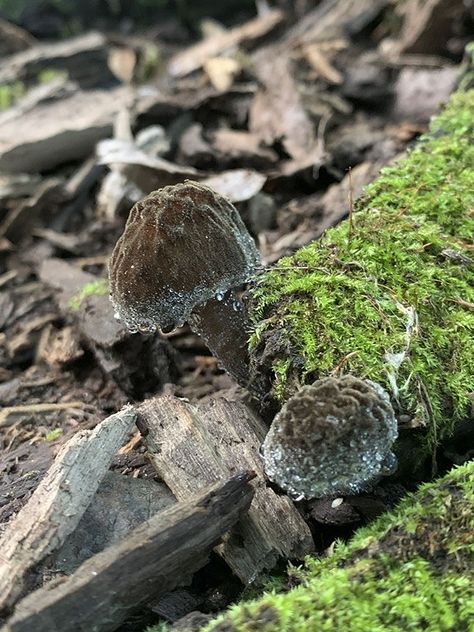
<point x="411" y="569"/>
<point x="58" y="503"/>
<point x="155" y="558"/>
<point x="192" y="445"/>
<point x="388" y="295"/>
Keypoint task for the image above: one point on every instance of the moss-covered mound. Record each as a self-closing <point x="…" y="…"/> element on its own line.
<point x="413" y="569"/>
<point x="390" y="298"/>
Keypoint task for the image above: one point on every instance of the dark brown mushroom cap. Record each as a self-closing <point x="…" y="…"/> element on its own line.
<point x="181" y="246"/>
<point x="331" y="437"/>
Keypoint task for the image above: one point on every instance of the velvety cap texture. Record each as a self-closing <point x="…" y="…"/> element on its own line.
<point x="181" y="246"/>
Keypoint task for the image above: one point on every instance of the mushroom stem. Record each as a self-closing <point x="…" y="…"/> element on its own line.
<point x="223" y="323"/>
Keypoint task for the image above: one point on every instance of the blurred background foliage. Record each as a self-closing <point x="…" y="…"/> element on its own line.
<point x="63" y="18"/>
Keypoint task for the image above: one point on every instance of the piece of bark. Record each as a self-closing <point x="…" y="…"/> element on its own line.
<point x="136" y="363"/>
<point x="120" y="504"/>
<point x="21" y="470"/>
<point x="196" y="56"/>
<point x="277" y="112"/>
<point x="59" y="347"/>
<point x="20" y="219"/>
<point x="321" y="65"/>
<point x="56" y="132"/>
<point x="333" y="19"/>
<point x="58" y="503"/>
<point x="156" y="557"/>
<point x="193" y="445"/>
<point x="238" y="185"/>
<point x="13" y="38"/>
<point x="84" y="58"/>
<point x="242" y="148"/>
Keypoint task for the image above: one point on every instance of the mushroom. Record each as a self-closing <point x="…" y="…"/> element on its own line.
<point x="183" y="253"/>
<point x="331" y="437"/>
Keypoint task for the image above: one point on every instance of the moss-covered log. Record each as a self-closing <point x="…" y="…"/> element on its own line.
<point x="389" y="296"/>
<point x="410" y="570"/>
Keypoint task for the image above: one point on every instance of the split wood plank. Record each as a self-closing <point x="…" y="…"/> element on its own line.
<point x="155" y="558"/>
<point x="194" y="445"/>
<point x="58" y="503"/>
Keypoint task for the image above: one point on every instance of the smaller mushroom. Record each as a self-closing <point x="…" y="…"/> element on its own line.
<point x="184" y="252"/>
<point x="333" y="437"/>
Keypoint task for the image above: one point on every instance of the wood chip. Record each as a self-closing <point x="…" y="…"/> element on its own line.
<point x="56" y="132"/>
<point x="196" y="56"/>
<point x="194" y="445"/>
<point x="57" y="505"/>
<point x="155" y="558"/>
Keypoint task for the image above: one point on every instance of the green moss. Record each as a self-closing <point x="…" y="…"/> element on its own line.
<point x="53" y="435"/>
<point x="10" y="94"/>
<point x="410" y="570"/>
<point x="98" y="288"/>
<point x="47" y="75"/>
<point x="392" y="300"/>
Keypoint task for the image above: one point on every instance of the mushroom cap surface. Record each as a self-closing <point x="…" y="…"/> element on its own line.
<point x="331" y="437"/>
<point x="181" y="246"/>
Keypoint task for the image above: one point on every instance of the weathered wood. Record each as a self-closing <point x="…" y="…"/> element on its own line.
<point x="121" y="504"/>
<point x="195" y="56"/>
<point x="194" y="445"/>
<point x="135" y="363"/>
<point x="13" y="38"/>
<point x="153" y="559"/>
<point x="58" y="503"/>
<point x="84" y="58"/>
<point x="58" y="131"/>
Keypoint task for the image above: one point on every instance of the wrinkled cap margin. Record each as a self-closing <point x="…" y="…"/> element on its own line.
<point x="182" y="245"/>
<point x="331" y="437"/>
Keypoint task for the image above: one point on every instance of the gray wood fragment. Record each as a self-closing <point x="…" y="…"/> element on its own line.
<point x="59" y="501"/>
<point x="194" y="445"/>
<point x="153" y="559"/>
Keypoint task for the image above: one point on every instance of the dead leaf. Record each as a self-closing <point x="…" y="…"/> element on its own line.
<point x="277" y="112"/>
<point x="122" y="62"/>
<point x="222" y="72"/>
<point x="237" y="185"/>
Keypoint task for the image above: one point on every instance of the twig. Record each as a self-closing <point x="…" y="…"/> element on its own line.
<point x="23" y="409"/>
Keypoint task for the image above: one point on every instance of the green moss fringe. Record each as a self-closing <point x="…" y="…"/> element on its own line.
<point x="412" y="569"/>
<point x="392" y="297"/>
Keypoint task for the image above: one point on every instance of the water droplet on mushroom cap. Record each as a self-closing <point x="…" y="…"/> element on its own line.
<point x="182" y="245"/>
<point x="331" y="437"/>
